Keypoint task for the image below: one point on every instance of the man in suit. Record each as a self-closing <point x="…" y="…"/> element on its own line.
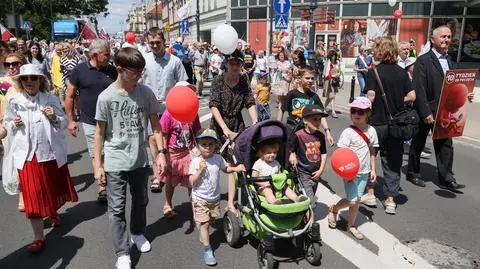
<point x="429" y="72"/>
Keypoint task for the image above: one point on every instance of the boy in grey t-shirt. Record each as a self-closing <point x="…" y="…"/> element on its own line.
<point x="122" y="114"/>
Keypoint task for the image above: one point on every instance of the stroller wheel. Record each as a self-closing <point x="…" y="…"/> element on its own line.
<point x="232" y="228"/>
<point x="313" y="253"/>
<point x="265" y="259"/>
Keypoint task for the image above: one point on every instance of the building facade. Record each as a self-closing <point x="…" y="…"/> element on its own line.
<point x="356" y="23"/>
<point x="136" y="20"/>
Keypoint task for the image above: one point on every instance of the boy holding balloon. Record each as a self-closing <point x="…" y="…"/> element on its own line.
<point x="355" y="162"/>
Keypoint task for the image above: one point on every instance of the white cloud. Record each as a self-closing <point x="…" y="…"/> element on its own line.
<point x="118" y="14"/>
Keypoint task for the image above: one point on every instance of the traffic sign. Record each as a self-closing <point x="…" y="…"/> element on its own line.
<point x="27" y="26"/>
<point x="281" y="6"/>
<point x="167" y="28"/>
<point x="184" y="26"/>
<point x="281" y="21"/>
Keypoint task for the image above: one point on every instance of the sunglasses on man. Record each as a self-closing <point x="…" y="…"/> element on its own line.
<point x="26" y="78"/>
<point x="12" y="64"/>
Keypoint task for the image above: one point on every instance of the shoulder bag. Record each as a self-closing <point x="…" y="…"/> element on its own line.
<point x="402" y="125"/>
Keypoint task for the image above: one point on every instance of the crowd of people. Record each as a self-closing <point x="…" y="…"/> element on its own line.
<point x="119" y="102"/>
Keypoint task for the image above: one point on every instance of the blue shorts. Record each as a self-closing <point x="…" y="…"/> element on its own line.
<point x="356" y="188"/>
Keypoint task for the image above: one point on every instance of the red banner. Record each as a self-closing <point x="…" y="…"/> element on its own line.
<point x="452" y="109"/>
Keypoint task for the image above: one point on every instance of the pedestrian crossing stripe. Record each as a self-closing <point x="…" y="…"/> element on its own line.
<point x="281" y="21"/>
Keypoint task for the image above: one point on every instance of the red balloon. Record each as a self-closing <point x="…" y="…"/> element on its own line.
<point x="398" y="13"/>
<point x="182" y="103"/>
<point x="130" y="37"/>
<point x="345" y="163"/>
<point x="456" y="97"/>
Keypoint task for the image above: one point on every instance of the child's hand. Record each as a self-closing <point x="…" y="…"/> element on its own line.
<point x="241" y="168"/>
<point x="203" y="165"/>
<point x="293" y="160"/>
<point x="316" y="175"/>
<point x="373" y="176"/>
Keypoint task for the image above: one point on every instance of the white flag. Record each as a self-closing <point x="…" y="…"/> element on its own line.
<point x="183" y="11"/>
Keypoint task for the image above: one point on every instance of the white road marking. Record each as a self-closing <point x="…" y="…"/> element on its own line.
<point x="206" y="117"/>
<point x="391" y="252"/>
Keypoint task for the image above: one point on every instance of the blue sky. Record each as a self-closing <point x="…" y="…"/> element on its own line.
<point x="118" y="13"/>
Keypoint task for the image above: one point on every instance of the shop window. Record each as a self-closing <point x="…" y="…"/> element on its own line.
<point x="239" y="14"/>
<point x="448" y="8"/>
<point x="355" y="10"/>
<point x="243" y="3"/>
<point x="410" y="8"/>
<point x="241" y="28"/>
<point x="262" y="2"/>
<point x="252" y="2"/>
<point x="334" y="7"/>
<point x="381" y="10"/>
<point x="473" y="10"/>
<point x="258" y="13"/>
<point x="234" y="3"/>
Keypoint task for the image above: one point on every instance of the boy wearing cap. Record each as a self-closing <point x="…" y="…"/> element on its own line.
<point x="308" y="152"/>
<point x="262" y="95"/>
<point x="205" y="180"/>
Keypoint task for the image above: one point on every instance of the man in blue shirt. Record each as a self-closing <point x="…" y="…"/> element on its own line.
<point x="162" y="72"/>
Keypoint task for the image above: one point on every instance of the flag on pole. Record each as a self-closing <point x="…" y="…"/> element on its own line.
<point x="6" y="35"/>
<point x="103" y="34"/>
<point x="183" y="11"/>
<point x="88" y="32"/>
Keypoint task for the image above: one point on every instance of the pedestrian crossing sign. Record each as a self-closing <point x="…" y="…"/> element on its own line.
<point x="281" y="21"/>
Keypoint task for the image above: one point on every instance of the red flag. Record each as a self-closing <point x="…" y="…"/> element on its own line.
<point x="88" y="33"/>
<point x="103" y="34"/>
<point x="6" y="35"/>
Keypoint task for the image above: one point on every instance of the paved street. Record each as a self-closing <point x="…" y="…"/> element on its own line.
<point x="425" y="217"/>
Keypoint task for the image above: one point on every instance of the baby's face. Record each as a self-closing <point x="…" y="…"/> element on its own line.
<point x="269" y="154"/>
<point x="206" y="147"/>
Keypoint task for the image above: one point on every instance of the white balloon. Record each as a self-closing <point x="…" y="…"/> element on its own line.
<point x="392" y="3"/>
<point x="225" y="38"/>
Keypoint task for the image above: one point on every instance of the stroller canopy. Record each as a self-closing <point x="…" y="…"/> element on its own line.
<point x="247" y="142"/>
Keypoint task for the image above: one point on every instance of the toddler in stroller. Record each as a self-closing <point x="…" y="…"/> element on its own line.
<point x="290" y="218"/>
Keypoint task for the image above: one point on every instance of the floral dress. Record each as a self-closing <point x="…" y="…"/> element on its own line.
<point x="230" y="102"/>
<point x="282" y="84"/>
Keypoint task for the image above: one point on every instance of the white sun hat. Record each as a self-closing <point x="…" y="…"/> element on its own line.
<point x="31" y="70"/>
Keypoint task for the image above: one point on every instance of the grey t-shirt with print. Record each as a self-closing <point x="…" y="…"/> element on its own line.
<point x="126" y="116"/>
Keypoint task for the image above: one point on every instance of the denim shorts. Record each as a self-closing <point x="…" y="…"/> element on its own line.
<point x="356" y="188"/>
<point x="89" y="131"/>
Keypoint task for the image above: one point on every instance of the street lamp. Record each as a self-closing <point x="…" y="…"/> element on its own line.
<point x="311" y="48"/>
<point x="197" y="17"/>
<point x="156" y="13"/>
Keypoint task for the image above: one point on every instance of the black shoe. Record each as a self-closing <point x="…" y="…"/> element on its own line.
<point x="417" y="181"/>
<point x="452" y="185"/>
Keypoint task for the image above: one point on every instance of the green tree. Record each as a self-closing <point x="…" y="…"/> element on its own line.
<point x="42" y="12"/>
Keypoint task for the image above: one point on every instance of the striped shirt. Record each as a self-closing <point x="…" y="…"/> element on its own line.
<point x="68" y="65"/>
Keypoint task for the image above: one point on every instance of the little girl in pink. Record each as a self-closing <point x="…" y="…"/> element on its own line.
<point x="180" y="140"/>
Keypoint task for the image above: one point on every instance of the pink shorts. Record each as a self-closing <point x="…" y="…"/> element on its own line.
<point x="177" y="174"/>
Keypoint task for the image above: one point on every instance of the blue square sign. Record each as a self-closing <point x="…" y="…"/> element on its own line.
<point x="281" y="21"/>
<point x="281" y="6"/>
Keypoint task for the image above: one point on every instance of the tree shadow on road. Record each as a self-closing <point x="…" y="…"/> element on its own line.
<point x="59" y="246"/>
<point x="86" y="179"/>
<point x="73" y="157"/>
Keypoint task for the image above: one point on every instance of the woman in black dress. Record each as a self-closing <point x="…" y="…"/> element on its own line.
<point x="230" y="93"/>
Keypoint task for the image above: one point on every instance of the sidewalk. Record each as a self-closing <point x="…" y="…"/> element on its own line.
<point x="472" y="129"/>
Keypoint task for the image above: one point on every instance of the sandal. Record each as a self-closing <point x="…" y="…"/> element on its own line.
<point x="36" y="246"/>
<point x="102" y="196"/>
<point x="55" y="221"/>
<point x="332" y="217"/>
<point x="169" y="213"/>
<point x="156" y="187"/>
<point x="356" y="233"/>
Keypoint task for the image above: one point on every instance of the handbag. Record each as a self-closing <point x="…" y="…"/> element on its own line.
<point x="402" y="125"/>
<point x="9" y="172"/>
<point x="335" y="81"/>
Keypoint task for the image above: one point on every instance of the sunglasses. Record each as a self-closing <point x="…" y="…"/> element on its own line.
<point x="359" y="112"/>
<point x="32" y="78"/>
<point x="12" y="64"/>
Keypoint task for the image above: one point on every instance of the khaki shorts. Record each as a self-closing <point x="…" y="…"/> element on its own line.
<point x="205" y="211"/>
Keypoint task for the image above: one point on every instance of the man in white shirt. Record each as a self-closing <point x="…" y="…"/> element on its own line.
<point x="403" y="51"/>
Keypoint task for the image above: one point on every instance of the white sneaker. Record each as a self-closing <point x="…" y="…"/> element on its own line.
<point x="369" y="200"/>
<point x="425" y="155"/>
<point x="123" y="262"/>
<point x="141" y="242"/>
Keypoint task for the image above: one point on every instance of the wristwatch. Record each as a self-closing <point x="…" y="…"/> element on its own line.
<point x="163" y="151"/>
<point x="326" y="130"/>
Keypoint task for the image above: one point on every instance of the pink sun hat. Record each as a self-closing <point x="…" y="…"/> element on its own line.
<point x="361" y="102"/>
